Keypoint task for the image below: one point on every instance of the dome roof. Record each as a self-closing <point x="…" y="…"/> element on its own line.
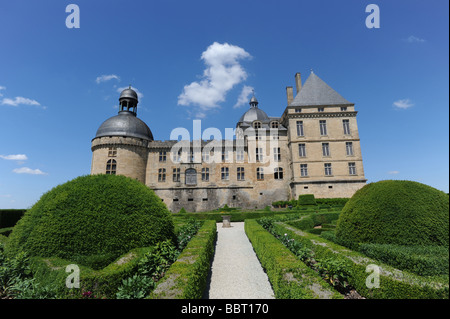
<point x="129" y="93"/>
<point x="254" y="114"/>
<point x="125" y="124"/>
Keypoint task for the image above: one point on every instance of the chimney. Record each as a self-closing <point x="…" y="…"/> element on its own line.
<point x="290" y="94"/>
<point x="298" y="81"/>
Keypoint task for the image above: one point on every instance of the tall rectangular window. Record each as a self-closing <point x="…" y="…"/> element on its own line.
<point x="303" y="170"/>
<point x="346" y="124"/>
<point x="349" y="148"/>
<point x="276" y="154"/>
<point x="225" y="173"/>
<point x="240" y="155"/>
<point x="260" y="173"/>
<point x="259" y="154"/>
<point x="176" y="175"/>
<point x="205" y="156"/>
<point x="224" y="155"/>
<point x="352" y="168"/>
<point x="328" y="171"/>
<point x="161" y="175"/>
<point x="205" y="174"/>
<point x="323" y="127"/>
<point x="300" y="131"/>
<point x="240" y="174"/>
<point x="162" y="156"/>
<point x="325" y="149"/>
<point x="302" y="150"/>
<point x="177" y="156"/>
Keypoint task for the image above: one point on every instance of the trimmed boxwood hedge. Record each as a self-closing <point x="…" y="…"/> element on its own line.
<point x="396" y="212"/>
<point x="187" y="277"/>
<point x="92" y="220"/>
<point x="290" y="278"/>
<point x="394" y="283"/>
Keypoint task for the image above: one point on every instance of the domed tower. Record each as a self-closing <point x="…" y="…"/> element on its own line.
<point x="120" y="145"/>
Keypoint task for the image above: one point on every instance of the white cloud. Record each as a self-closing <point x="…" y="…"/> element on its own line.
<point x="104" y="78"/>
<point x="18" y="100"/>
<point x="2" y="88"/>
<point x="403" y="104"/>
<point x="414" y="39"/>
<point x="140" y="95"/>
<point x="16" y="157"/>
<point x="222" y="73"/>
<point x="393" y="172"/>
<point x="244" y="96"/>
<point x="26" y="170"/>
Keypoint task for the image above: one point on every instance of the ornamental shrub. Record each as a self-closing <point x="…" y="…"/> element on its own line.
<point x="308" y="199"/>
<point x="90" y="217"/>
<point x="395" y="212"/>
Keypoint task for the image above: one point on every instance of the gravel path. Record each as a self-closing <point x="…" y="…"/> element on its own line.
<point x="236" y="272"/>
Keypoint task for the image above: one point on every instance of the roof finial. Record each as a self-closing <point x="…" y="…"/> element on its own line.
<point x="130" y="86"/>
<point x="312" y="70"/>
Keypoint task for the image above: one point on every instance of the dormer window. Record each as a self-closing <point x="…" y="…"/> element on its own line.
<point x="256" y="125"/>
<point x="274" y="124"/>
<point x="321" y="109"/>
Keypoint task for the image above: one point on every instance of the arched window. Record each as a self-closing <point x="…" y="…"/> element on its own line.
<point x="256" y="125"/>
<point x="274" y="124"/>
<point x="111" y="167"/>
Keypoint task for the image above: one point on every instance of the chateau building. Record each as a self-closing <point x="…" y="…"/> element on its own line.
<point x="313" y="148"/>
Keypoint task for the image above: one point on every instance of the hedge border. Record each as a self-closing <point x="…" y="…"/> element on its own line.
<point x="290" y="277"/>
<point x="187" y="277"/>
<point x="394" y="283"/>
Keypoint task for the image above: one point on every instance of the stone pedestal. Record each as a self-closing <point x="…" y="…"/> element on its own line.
<point x="226" y="221"/>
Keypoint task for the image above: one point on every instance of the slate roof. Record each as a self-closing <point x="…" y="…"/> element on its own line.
<point x="316" y="92"/>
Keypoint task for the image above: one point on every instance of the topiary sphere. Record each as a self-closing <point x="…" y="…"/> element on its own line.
<point x="396" y="212"/>
<point x="105" y="215"/>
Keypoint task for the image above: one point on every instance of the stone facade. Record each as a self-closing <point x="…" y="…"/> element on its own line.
<point x="313" y="148"/>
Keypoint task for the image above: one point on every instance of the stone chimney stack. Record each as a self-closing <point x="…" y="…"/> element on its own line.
<point x="290" y="94"/>
<point x="298" y="81"/>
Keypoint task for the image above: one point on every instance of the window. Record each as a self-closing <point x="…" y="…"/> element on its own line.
<point x="328" y="171"/>
<point x="240" y="155"/>
<point x="278" y="173"/>
<point x="346" y="124"/>
<point x="205" y="174"/>
<point x="162" y="156"/>
<point x="190" y="176"/>
<point x="276" y="154"/>
<point x="191" y="156"/>
<point x="274" y="124"/>
<point x="325" y="149"/>
<point x="111" y="167"/>
<point x="349" y="148"/>
<point x="240" y="174"/>
<point x="303" y="170"/>
<point x="112" y="152"/>
<point x="302" y="150"/>
<point x="257" y="125"/>
<point x="225" y="173"/>
<point x="205" y="156"/>
<point x="161" y="175"/>
<point x="343" y="108"/>
<point x="298" y="110"/>
<point x="176" y="175"/>
<point x="352" y="168"/>
<point x="177" y="156"/>
<point x="260" y="173"/>
<point x="300" y="128"/>
<point x="224" y="155"/>
<point x="259" y="154"/>
<point x="323" y="127"/>
<point x="321" y="109"/>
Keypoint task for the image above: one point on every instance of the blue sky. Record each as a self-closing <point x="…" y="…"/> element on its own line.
<point x="192" y="59"/>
